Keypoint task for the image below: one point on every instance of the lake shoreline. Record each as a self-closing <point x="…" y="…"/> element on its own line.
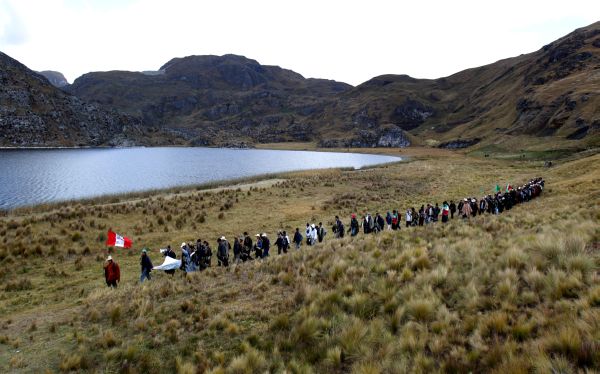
<point x="169" y="192"/>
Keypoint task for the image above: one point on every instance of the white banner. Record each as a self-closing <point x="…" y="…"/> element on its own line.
<point x="169" y="264"/>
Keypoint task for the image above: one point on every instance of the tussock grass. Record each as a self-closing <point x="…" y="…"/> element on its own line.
<point x="513" y="293"/>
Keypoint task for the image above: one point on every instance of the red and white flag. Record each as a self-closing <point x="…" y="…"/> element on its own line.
<point x="117" y="240"/>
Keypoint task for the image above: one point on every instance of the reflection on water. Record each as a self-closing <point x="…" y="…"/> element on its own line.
<point x="30" y="177"/>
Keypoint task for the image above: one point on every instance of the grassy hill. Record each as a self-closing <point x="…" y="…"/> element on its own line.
<point x="541" y="100"/>
<point x="513" y="293"/>
<point x="547" y="99"/>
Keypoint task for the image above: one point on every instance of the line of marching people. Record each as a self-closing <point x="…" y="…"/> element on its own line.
<point x="198" y="256"/>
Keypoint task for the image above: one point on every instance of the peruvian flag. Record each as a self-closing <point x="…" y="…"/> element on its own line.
<point x="117" y="240"/>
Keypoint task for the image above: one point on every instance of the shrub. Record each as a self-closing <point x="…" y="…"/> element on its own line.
<point x="108" y="339"/>
<point x="421" y="310"/>
<point x="115" y="314"/>
<point x="184" y="367"/>
<point x="252" y="361"/>
<point x="73" y="362"/>
<point x="18" y="285"/>
<point x="17" y="362"/>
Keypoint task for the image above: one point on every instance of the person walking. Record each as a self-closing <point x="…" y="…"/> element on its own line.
<point x="286" y="241"/>
<point x="313" y="234"/>
<point x="112" y="273"/>
<point x="379" y="222"/>
<point x="395" y="220"/>
<point x="222" y="252"/>
<point x="308" y="234"/>
<point x="409" y="217"/>
<point x="266" y="244"/>
<point x="452" y="207"/>
<point x="258" y="247"/>
<point x="237" y="250"/>
<point x="185" y="259"/>
<point x="146" y="265"/>
<point x="466" y="209"/>
<point x="321" y="232"/>
<point x="388" y="220"/>
<point x="247" y="242"/>
<point x="297" y="238"/>
<point x="339" y="227"/>
<point x="354" y="225"/>
<point x="436" y="212"/>
<point x="422" y="215"/>
<point x="445" y="211"/>
<point x="279" y="242"/>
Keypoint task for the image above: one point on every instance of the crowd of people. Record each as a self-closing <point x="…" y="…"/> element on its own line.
<point x="198" y="256"/>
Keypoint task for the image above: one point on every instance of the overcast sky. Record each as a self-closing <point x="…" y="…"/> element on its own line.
<point x="350" y="41"/>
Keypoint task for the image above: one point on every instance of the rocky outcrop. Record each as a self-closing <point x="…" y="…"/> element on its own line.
<point x="35" y="113"/>
<point x="459" y="143"/>
<point x="388" y="137"/>
<point x="55" y="78"/>
<point x="411" y="113"/>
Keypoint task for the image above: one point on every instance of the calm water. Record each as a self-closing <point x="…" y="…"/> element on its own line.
<point x="30" y="177"/>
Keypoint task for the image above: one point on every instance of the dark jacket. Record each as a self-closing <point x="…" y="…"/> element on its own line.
<point x="297" y="237"/>
<point x="146" y="263"/>
<point x="223" y="250"/>
<point x="237" y="248"/>
<point x="279" y="242"/>
<point x="266" y="244"/>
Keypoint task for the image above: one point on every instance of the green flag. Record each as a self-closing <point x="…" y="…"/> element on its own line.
<point x="497" y="188"/>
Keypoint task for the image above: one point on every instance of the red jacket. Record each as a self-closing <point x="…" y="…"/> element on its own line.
<point x="112" y="272"/>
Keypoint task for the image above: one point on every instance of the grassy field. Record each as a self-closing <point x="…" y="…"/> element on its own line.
<point x="513" y="293"/>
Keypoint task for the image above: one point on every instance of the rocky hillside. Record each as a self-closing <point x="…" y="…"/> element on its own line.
<point x="546" y="99"/>
<point x="552" y="95"/>
<point x="215" y="99"/>
<point x="56" y="78"/>
<point x="35" y="113"/>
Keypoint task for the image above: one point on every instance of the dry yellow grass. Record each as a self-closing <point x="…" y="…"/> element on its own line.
<point x="517" y="292"/>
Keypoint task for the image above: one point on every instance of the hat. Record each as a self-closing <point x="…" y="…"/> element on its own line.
<point x="109" y="258"/>
<point x="222" y="238"/>
<point x="264" y="234"/>
<point x="353" y="215"/>
<point x="313" y="225"/>
<point x="183" y="245"/>
<point x="144" y="250"/>
<point x="258" y="235"/>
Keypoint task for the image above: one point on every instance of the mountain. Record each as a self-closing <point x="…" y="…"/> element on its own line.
<point x="546" y="99"/>
<point x="35" y="113"/>
<point x="215" y="99"/>
<point x="549" y="96"/>
<point x="56" y="78"/>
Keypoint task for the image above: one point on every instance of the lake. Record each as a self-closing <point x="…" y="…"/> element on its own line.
<point x="29" y="177"/>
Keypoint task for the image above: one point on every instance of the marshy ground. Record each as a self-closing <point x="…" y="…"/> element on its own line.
<point x="519" y="292"/>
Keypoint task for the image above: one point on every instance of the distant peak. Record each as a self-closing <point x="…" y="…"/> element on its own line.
<point x="56" y="78"/>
